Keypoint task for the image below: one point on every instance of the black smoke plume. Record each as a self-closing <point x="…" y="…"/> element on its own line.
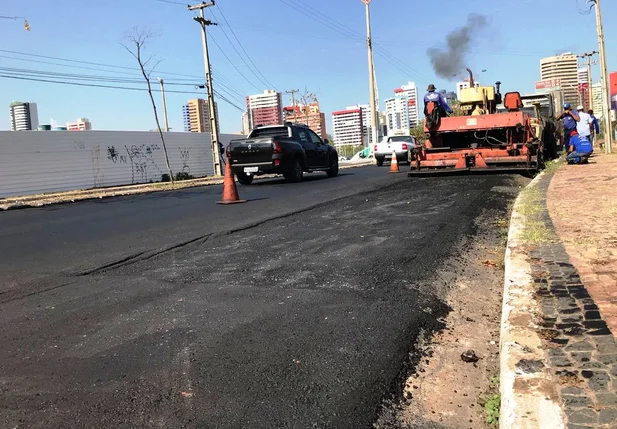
<point x="451" y="60"/>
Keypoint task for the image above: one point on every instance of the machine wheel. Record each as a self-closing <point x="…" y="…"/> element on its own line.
<point x="379" y="162"/>
<point x="333" y="171"/>
<point x="294" y="173"/>
<point x="244" y="179"/>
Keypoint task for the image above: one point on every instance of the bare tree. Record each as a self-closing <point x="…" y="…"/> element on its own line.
<point x="307" y="98"/>
<point x="135" y="43"/>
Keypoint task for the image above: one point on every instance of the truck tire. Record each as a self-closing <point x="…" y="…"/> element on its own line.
<point x="379" y="161"/>
<point x="333" y="171"/>
<point x="294" y="173"/>
<point x="244" y="179"/>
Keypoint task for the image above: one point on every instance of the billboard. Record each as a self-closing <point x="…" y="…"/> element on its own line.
<point x="548" y="85"/>
<point x="613" y="83"/>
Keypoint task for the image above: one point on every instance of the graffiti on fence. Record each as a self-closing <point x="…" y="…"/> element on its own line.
<point x="143" y="167"/>
<point x="97" y="176"/>
<point x="185" y="155"/>
<point x="114" y="156"/>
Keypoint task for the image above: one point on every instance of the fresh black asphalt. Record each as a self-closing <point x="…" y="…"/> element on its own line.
<point x="298" y="309"/>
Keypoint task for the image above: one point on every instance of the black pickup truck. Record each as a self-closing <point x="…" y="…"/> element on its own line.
<point x="290" y="150"/>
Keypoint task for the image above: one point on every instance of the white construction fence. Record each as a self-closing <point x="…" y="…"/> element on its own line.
<point x="35" y="162"/>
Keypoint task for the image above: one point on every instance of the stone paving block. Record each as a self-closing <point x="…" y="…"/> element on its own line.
<point x="576" y="401"/>
<point x="606" y="399"/>
<point x="608" y="416"/>
<point x="585" y="416"/>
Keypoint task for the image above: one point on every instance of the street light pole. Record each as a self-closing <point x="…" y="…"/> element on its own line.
<point x="371" y="75"/>
<point x="214" y="131"/>
<point x="164" y="104"/>
<point x="608" y="135"/>
<point x="588" y="55"/>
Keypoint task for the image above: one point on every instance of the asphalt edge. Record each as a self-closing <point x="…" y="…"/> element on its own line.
<point x="79" y="195"/>
<point x="527" y="399"/>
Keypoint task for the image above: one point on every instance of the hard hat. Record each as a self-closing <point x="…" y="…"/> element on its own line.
<point x="580" y="107"/>
<point x="431" y="87"/>
<point x="566" y="105"/>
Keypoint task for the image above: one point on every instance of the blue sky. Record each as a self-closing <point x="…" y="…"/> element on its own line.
<point x="289" y="48"/>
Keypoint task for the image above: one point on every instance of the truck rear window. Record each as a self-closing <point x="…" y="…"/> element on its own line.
<point x="400" y="139"/>
<point x="269" y="132"/>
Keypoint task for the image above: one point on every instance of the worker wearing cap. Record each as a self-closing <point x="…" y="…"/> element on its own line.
<point x="595" y="127"/>
<point x="570" y="119"/>
<point x="580" y="149"/>
<point x="583" y="127"/>
<point x="438" y="99"/>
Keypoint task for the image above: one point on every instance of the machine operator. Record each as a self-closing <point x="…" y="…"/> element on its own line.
<point x="570" y="119"/>
<point x="438" y="99"/>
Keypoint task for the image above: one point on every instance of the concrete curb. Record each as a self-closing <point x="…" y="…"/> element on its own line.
<point x="528" y="389"/>
<point x="29" y="201"/>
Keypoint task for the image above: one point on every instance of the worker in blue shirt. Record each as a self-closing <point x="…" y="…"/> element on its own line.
<point x="595" y="127"/>
<point x="580" y="149"/>
<point x="570" y="118"/>
<point x="438" y="99"/>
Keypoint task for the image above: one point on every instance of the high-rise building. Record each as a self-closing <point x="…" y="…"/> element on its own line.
<point x="24" y="116"/>
<point x="365" y="111"/>
<point x="583" y="90"/>
<point x="309" y="115"/>
<point x="565" y="68"/>
<point x="81" y="124"/>
<point x="265" y="109"/>
<point x="402" y="111"/>
<point x="196" y="115"/>
<point x="348" y="127"/>
<point x="596" y="100"/>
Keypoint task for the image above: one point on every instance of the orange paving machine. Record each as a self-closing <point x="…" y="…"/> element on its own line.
<point x="488" y="136"/>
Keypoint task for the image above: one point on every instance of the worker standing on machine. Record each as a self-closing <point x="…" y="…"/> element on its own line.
<point x="438" y="100"/>
<point x="570" y="119"/>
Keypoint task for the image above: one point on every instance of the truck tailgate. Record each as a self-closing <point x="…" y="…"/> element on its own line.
<point x="251" y="151"/>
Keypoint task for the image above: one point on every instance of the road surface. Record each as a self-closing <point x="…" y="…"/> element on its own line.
<point x="298" y="309"/>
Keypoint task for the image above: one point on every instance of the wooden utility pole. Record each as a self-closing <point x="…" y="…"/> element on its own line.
<point x="608" y="134"/>
<point x="371" y="74"/>
<point x="164" y="104"/>
<point x="214" y="131"/>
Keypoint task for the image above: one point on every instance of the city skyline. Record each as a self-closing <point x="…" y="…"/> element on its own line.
<point x="53" y="31"/>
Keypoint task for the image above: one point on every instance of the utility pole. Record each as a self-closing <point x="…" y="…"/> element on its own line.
<point x="371" y="75"/>
<point x="293" y="100"/>
<point x="608" y="134"/>
<point x="164" y="104"/>
<point x="214" y="131"/>
<point x="588" y="55"/>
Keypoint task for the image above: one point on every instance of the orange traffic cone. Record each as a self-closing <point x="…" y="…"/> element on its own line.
<point x="394" y="164"/>
<point x="230" y="191"/>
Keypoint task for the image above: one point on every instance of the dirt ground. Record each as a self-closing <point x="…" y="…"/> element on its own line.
<point x="446" y="392"/>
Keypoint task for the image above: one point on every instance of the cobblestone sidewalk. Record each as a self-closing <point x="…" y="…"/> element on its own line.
<point x="574" y="267"/>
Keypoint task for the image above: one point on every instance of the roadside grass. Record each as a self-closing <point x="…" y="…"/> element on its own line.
<point x="531" y="206"/>
<point x="491" y="402"/>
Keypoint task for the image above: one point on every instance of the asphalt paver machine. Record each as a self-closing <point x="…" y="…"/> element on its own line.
<point x="494" y="133"/>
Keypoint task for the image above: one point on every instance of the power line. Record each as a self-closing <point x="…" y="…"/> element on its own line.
<point x="172" y="2"/>
<point x="92" y="85"/>
<point x="232" y="64"/>
<point x="266" y="81"/>
<point x="222" y="81"/>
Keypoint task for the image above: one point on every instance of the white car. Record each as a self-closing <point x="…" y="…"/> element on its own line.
<point x="399" y="144"/>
